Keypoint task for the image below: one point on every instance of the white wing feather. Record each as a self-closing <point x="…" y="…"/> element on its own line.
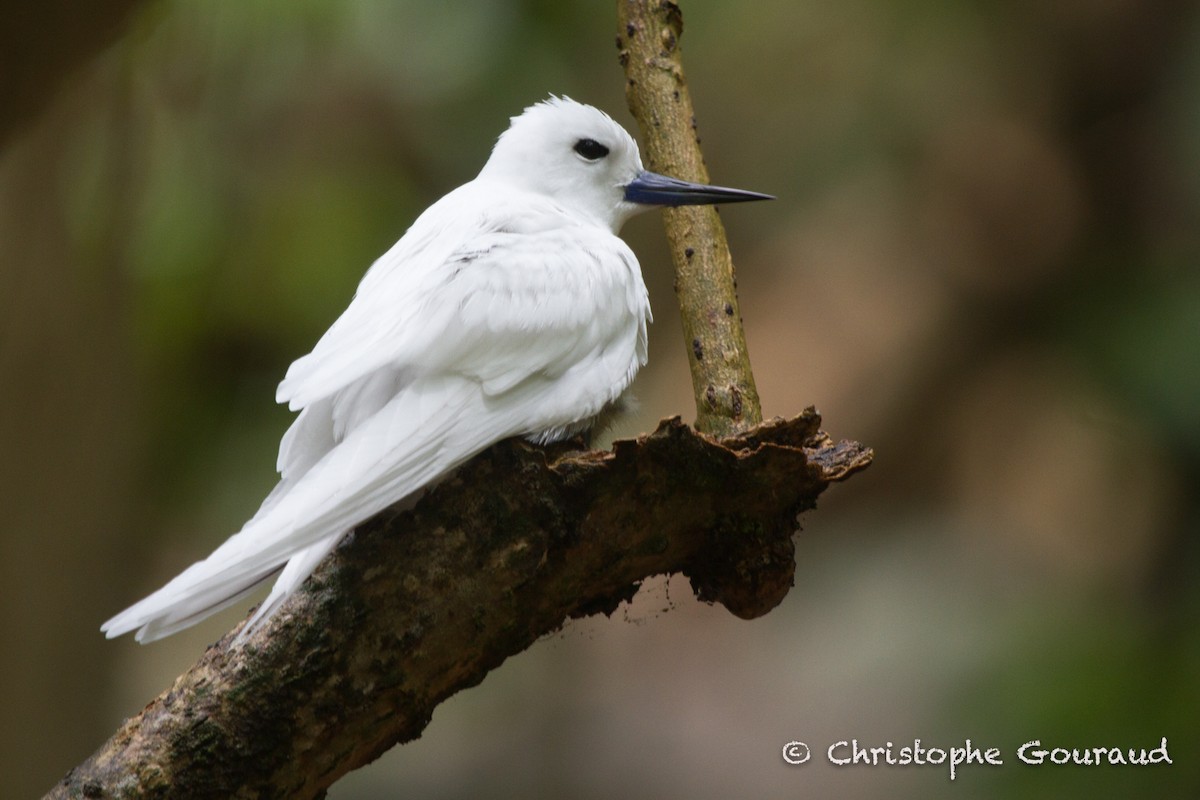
<point x="440" y="298"/>
<point x="488" y="319"/>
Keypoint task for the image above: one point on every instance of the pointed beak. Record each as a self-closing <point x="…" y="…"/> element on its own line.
<point x="652" y="189"/>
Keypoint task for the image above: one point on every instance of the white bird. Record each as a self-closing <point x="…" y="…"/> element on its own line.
<point x="509" y="308"/>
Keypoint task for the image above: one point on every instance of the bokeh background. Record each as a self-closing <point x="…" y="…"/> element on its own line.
<point x="983" y="262"/>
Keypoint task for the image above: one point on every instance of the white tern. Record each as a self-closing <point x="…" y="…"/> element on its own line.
<point x="509" y="308"/>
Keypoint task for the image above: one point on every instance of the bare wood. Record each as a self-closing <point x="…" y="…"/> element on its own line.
<point x="417" y="605"/>
<point x="657" y="93"/>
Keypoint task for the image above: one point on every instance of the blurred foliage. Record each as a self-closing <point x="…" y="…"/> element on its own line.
<point x="983" y="263"/>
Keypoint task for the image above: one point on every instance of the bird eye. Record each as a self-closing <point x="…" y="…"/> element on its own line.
<point x="591" y="149"/>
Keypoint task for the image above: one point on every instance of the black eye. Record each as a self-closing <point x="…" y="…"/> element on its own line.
<point x="591" y="149"/>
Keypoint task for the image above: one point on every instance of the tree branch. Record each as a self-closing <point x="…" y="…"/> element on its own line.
<point x="417" y="605"/>
<point x="657" y="93"/>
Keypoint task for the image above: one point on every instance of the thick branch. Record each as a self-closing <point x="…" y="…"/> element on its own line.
<point x="416" y="605"/>
<point x="648" y="38"/>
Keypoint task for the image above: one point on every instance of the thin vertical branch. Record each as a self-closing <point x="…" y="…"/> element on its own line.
<point x="657" y="93"/>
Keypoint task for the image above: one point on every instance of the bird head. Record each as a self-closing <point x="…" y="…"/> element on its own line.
<point x="578" y="156"/>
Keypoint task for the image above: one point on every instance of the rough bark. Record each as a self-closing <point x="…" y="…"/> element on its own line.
<point x="656" y="90"/>
<point x="417" y="605"/>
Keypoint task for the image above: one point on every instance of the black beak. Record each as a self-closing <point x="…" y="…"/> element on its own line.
<point x="652" y="189"/>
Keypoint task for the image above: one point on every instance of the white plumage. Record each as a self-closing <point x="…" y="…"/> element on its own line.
<point x="509" y="308"/>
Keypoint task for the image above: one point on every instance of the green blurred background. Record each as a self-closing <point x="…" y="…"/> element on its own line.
<point x="983" y="262"/>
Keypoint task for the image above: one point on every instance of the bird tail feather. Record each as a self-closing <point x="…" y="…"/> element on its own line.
<point x="408" y="444"/>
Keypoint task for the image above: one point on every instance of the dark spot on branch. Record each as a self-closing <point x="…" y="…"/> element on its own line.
<point x="688" y="252"/>
<point x="697" y="350"/>
<point x="710" y="395"/>
<point x="674" y="14"/>
<point x="630" y="29"/>
<point x="729" y="309"/>
<point x="736" y="402"/>
<point x="668" y="41"/>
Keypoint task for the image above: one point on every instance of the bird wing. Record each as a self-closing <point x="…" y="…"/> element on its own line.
<point x="517" y="322"/>
<point x="481" y="276"/>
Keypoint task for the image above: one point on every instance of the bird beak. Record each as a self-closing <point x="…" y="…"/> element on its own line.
<point x="652" y="189"/>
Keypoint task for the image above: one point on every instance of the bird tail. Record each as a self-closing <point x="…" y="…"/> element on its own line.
<point x="430" y="428"/>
